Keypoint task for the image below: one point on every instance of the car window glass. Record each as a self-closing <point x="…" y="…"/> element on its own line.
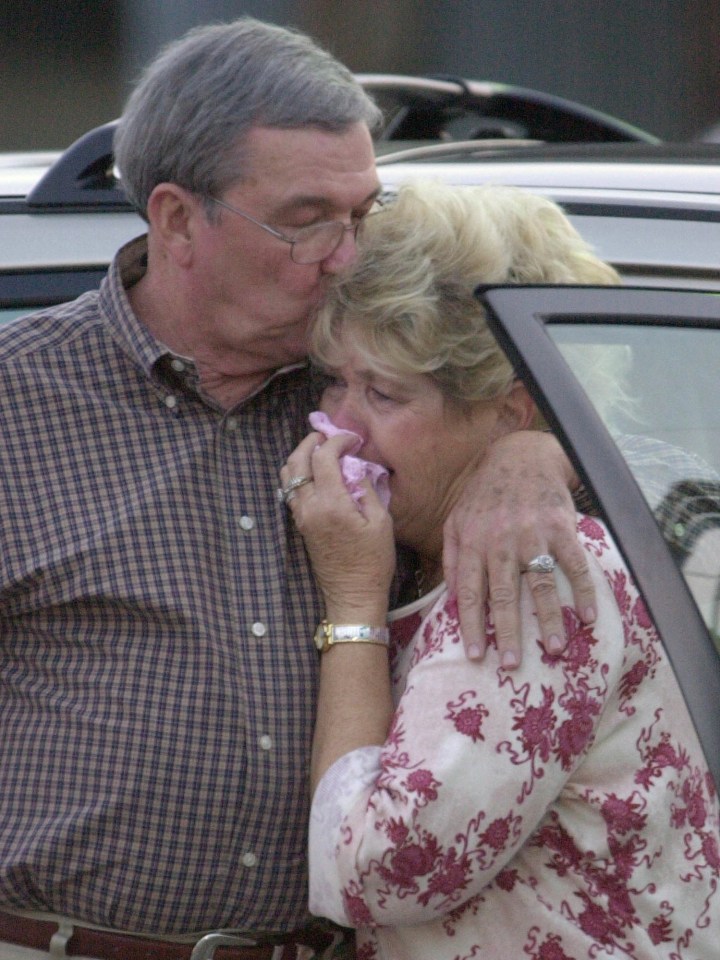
<point x="657" y="390"/>
<point x="7" y="315"/>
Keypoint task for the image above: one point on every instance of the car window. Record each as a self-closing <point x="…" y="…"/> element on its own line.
<point x="7" y="315"/>
<point x="25" y="291"/>
<point x="657" y="389"/>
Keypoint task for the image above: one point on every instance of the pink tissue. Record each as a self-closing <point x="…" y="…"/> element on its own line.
<point x="353" y="468"/>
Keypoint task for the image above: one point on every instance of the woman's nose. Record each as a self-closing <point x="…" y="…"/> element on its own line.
<point x="345" y="415"/>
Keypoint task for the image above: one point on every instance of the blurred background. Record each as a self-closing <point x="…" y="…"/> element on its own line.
<point x="68" y="65"/>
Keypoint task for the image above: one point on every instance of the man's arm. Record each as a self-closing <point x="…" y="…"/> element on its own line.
<point x="517" y="506"/>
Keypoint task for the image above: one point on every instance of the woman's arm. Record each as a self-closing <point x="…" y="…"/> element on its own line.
<point x="354" y="704"/>
<point x="353" y="558"/>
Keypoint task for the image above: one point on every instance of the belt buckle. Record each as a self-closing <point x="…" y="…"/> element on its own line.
<point x="206" y="946"/>
<point x="59" y="940"/>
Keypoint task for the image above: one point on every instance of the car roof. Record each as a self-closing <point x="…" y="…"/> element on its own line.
<point x="20" y="172"/>
<point x="686" y="169"/>
<point x="669" y="174"/>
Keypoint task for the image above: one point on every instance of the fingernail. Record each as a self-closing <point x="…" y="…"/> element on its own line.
<point x="474" y="652"/>
<point x="555" y="644"/>
<point x="589" y="615"/>
<point x="509" y="660"/>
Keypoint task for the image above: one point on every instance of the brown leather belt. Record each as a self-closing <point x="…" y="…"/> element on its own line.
<point x="102" y="945"/>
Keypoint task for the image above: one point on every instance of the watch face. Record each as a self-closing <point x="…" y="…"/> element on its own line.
<point x="328" y="634"/>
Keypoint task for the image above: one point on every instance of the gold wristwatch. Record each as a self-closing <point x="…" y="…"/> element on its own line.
<point x="328" y="634"/>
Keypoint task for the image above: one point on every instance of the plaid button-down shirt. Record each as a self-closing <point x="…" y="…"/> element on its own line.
<point x="157" y="676"/>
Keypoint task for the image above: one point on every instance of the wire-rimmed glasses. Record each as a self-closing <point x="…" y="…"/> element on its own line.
<point x="309" y="244"/>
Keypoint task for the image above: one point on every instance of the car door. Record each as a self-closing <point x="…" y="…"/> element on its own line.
<point x="629" y="380"/>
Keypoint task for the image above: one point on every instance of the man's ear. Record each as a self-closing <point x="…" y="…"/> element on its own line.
<point x="171" y="211"/>
<point x="517" y="410"/>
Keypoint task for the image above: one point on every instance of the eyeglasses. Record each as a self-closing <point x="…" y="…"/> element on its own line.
<point x="310" y="244"/>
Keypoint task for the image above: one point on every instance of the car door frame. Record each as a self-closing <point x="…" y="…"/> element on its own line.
<point x="519" y="317"/>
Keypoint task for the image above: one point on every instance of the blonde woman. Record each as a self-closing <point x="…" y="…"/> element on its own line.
<point x="460" y="810"/>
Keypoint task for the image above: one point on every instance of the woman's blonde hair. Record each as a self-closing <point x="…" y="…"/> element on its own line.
<point x="408" y="301"/>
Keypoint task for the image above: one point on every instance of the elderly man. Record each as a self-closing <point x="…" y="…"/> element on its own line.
<point x="157" y="675"/>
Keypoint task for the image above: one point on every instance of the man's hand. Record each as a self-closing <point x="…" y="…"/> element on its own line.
<point x="516" y="507"/>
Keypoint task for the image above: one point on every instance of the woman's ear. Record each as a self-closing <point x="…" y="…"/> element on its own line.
<point x="517" y="409"/>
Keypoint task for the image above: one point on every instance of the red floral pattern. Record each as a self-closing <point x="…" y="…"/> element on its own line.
<point x="558" y="812"/>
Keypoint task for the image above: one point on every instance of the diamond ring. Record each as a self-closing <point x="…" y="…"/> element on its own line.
<point x="543" y="563"/>
<point x="285" y="494"/>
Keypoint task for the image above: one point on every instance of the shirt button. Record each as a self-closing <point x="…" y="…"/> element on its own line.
<point x="259" y="629"/>
<point x="171" y="402"/>
<point x="249" y="859"/>
<point x="177" y="365"/>
<point x="265" y="742"/>
<point x="231" y="423"/>
<point x="246" y="523"/>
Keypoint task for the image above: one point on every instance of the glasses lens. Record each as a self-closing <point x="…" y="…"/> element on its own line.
<point x="314" y="244"/>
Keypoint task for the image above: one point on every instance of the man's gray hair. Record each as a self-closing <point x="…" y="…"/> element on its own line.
<point x="186" y="119"/>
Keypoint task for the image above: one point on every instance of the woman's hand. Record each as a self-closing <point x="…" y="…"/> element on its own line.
<point x="352" y="552"/>
<point x="516" y="507"/>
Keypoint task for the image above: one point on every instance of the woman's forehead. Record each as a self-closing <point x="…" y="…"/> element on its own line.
<point x="349" y="348"/>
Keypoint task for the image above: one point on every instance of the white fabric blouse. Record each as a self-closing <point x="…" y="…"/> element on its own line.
<point x="557" y="812"/>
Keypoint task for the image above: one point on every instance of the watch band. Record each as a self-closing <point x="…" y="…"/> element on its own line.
<point x="329" y="634"/>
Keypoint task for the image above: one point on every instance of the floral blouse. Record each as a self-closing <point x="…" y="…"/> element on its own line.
<point x="557" y="812"/>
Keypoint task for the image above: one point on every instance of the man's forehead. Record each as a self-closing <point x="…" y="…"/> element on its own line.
<point x="303" y="201"/>
<point x="310" y="167"/>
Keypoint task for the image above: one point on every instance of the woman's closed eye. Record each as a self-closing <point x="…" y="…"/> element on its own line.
<point x="382" y="397"/>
